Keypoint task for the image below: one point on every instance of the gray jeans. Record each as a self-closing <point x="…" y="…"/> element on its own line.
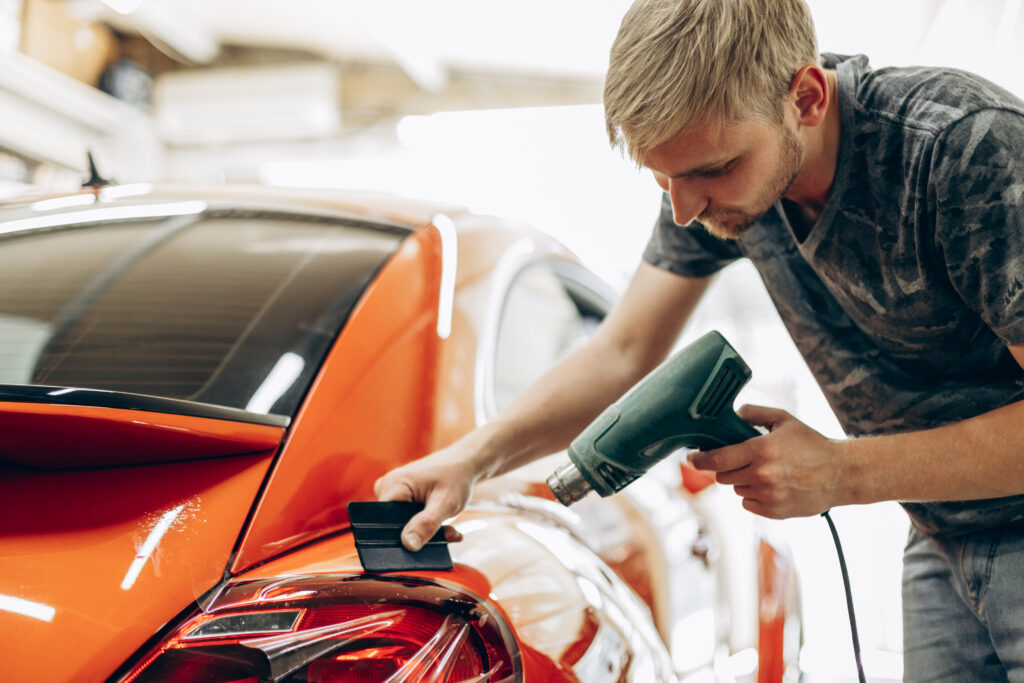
<point x="963" y="607"/>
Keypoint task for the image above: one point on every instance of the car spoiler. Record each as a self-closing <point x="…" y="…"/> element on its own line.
<point x="65" y="428"/>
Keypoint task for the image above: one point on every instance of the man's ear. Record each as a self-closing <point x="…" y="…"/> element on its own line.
<point x="809" y="94"/>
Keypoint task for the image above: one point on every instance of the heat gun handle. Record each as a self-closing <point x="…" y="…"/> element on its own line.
<point x="736" y="429"/>
<point x="727" y="429"/>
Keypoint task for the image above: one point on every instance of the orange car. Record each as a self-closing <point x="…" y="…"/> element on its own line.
<point x="195" y="383"/>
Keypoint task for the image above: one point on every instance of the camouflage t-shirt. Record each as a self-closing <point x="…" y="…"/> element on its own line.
<point x="904" y="295"/>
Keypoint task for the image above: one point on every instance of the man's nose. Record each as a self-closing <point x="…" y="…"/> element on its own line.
<point x="687" y="202"/>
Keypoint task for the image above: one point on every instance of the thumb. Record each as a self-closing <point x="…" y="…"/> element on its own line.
<point x="420" y="527"/>
<point x="424" y="524"/>
<point x="763" y="416"/>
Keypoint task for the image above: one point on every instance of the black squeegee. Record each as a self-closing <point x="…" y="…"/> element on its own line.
<point x="377" y="529"/>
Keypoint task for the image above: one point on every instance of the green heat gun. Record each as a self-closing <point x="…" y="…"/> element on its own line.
<point x="684" y="403"/>
<point x="687" y="402"/>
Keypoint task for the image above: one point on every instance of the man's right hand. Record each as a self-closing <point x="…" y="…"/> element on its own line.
<point x="443" y="481"/>
<point x="632" y="340"/>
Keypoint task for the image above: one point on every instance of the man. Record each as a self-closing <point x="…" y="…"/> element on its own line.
<point x="884" y="211"/>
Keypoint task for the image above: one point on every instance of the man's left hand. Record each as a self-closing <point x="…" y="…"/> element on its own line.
<point x="793" y="471"/>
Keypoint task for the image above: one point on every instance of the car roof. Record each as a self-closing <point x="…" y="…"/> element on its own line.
<point x="373" y="205"/>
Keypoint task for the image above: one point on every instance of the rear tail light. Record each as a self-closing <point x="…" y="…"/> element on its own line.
<point x="336" y="630"/>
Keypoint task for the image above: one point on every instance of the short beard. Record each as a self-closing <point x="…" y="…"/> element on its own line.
<point x="729" y="224"/>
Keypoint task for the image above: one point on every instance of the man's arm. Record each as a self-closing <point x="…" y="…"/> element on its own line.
<point x="633" y="339"/>
<point x="794" y="471"/>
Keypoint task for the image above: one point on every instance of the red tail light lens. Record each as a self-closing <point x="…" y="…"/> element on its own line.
<point x="336" y="630"/>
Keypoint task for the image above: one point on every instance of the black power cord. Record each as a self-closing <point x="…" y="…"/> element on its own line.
<point x="849" y="597"/>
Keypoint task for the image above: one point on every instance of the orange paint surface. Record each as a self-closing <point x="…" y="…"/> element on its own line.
<point x="773" y="579"/>
<point x="370" y="409"/>
<point x="94" y="562"/>
<point x="44" y="435"/>
<point x="695" y="480"/>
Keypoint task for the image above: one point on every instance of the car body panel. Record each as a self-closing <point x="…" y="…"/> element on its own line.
<point x="59" y="436"/>
<point x="109" y="556"/>
<point x="364" y="414"/>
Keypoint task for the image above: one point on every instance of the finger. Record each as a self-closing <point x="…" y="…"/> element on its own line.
<point x="423" y="525"/>
<point x="745" y="491"/>
<point x="755" y="506"/>
<point x="724" y="459"/>
<point x="388" y="489"/>
<point x="738" y="477"/>
<point x="451" y="534"/>
<point x="763" y="415"/>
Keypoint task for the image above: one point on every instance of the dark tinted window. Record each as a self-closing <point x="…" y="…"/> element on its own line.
<point x="232" y="309"/>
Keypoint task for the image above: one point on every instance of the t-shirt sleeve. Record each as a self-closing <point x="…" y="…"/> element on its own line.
<point x="978" y="181"/>
<point x="691" y="251"/>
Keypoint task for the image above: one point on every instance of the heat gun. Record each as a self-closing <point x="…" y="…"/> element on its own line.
<point x="687" y="402"/>
<point x="684" y="403"/>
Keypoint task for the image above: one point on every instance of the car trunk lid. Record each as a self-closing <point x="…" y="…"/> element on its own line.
<point x="95" y="561"/>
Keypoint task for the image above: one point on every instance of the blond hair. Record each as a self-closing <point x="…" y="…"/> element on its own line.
<point x="678" y="63"/>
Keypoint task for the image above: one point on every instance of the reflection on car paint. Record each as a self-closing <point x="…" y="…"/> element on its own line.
<point x="143" y="554"/>
<point x="449" y="266"/>
<point x="557" y="599"/>
<point x="27" y="608"/>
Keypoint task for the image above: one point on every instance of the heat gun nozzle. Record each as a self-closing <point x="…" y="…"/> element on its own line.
<point x="568" y="484"/>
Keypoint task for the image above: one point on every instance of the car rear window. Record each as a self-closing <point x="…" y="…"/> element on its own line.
<point x="230" y="308"/>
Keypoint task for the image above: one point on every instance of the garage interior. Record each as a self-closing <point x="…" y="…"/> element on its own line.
<point x="495" y="107"/>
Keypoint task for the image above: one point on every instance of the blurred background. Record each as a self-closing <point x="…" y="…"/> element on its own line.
<point x="495" y="106"/>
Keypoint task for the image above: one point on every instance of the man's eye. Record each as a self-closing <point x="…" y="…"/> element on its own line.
<point x="720" y="171"/>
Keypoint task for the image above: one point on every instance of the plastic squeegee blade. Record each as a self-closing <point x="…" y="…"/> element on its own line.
<point x="377" y="528"/>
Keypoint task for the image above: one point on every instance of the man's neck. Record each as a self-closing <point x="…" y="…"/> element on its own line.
<point x="813" y="183"/>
